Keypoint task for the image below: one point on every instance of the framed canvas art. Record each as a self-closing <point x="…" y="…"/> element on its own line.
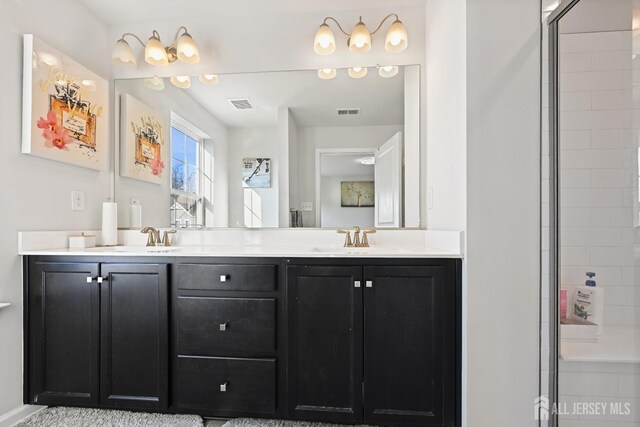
<point x="357" y="194"/>
<point x="256" y="173"/>
<point x="65" y="112"/>
<point x="142" y="142"/>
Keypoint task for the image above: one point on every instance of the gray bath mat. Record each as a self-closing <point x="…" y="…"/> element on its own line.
<point x="84" y="417"/>
<point x="252" y="422"/>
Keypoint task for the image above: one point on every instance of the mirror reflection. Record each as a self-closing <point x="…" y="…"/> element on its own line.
<point x="274" y="149"/>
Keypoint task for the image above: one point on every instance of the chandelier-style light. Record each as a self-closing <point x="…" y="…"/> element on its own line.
<point x="359" y="40"/>
<point x="182" y="48"/>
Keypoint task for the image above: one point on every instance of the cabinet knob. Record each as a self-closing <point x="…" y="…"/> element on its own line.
<point x="101" y="279"/>
<point x="356" y="284"/>
<point x="224" y="326"/>
<point x="223" y="386"/>
<point x="224" y="277"/>
<point x="369" y="284"/>
<point x="89" y="279"/>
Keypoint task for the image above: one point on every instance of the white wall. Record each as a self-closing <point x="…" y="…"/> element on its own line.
<point x="503" y="210"/>
<point x="312" y="138"/>
<point x="38" y="190"/>
<point x="253" y="142"/>
<point x="332" y="214"/>
<point x="446" y="113"/>
<point x="155" y="198"/>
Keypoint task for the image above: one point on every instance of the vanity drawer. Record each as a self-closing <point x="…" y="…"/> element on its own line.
<point x="212" y="325"/>
<point x="227" y="385"/>
<point x="218" y="277"/>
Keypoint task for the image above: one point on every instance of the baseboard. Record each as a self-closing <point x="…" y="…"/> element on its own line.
<point x="20" y="413"/>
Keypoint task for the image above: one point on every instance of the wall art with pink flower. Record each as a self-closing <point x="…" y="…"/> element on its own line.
<point x="65" y="113"/>
<point x="142" y="147"/>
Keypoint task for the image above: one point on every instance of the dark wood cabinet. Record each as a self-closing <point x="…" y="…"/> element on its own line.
<point x="341" y="340"/>
<point x="325" y="333"/>
<point x="97" y="334"/>
<point x="64" y="312"/>
<point x="373" y="343"/>
<point x="134" y="336"/>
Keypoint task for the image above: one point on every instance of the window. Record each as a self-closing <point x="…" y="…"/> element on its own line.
<point x="188" y="178"/>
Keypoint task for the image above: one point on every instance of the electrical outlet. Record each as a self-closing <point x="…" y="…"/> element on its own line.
<point x="307" y="206"/>
<point x="77" y="200"/>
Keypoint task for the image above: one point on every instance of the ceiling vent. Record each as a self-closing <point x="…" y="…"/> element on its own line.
<point x="348" y="111"/>
<point x="241" y="104"/>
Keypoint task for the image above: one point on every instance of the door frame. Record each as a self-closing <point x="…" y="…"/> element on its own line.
<point x="318" y="176"/>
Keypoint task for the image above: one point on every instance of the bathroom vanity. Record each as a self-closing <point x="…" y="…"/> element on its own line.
<point x="344" y="339"/>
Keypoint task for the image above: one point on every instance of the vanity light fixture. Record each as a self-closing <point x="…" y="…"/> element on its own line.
<point x="359" y="40"/>
<point x="388" y="71"/>
<point x="209" y="79"/>
<point x="183" y="82"/>
<point x="154" y="83"/>
<point x="182" y="48"/>
<point x="327" y="73"/>
<point x="357" y="72"/>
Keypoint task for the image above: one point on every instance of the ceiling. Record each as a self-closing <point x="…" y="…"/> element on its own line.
<point x="115" y="12"/>
<point x="345" y="164"/>
<point x="312" y="101"/>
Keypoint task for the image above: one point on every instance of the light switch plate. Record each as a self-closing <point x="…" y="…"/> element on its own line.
<point x="77" y="200"/>
<point x="307" y="206"/>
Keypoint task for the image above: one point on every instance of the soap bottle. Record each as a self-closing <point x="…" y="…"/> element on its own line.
<point x="589" y="302"/>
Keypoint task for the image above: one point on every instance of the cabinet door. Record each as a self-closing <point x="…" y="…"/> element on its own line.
<point x="409" y="346"/>
<point x="134" y="344"/>
<point x="325" y="343"/>
<point x="63" y="334"/>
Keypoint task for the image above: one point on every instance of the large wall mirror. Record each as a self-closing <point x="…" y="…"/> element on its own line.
<point x="272" y="149"/>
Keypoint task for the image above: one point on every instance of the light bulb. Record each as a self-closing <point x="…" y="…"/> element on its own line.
<point x="209" y="79"/>
<point x="187" y="50"/>
<point x="154" y="83"/>
<point x="388" y="71"/>
<point x="360" y="40"/>
<point x="357" y="72"/>
<point x="397" y="39"/>
<point x="324" y="42"/>
<point x="155" y="53"/>
<point x="183" y="82"/>
<point x="327" y="73"/>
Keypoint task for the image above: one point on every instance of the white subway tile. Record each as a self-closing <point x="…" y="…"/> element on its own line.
<point x="574" y="236"/>
<point x="574" y="217"/>
<point x="574" y="255"/>
<point x="593" y="80"/>
<point x="607" y="178"/>
<point x="609" y="100"/>
<point x="600" y="119"/>
<point x="611" y="256"/>
<point x="605" y="236"/>
<point x="575" y="101"/>
<point x="611" y="60"/>
<point x="612" y="315"/>
<point x="575" y="178"/>
<point x="575" y="139"/>
<point x="609" y="217"/>
<point x="612" y="138"/>
<point x="588" y="384"/>
<point x="577" y="275"/>
<point x="591" y="42"/>
<point x="575" y="61"/>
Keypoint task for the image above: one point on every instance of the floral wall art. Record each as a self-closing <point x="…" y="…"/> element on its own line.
<point x="143" y="147"/>
<point x="65" y="108"/>
<point x="357" y="194"/>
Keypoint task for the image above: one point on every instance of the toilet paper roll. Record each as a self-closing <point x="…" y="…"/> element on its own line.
<point x="109" y="224"/>
<point x="135" y="216"/>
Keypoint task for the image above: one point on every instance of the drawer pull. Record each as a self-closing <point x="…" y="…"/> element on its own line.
<point x="369" y="284"/>
<point x="356" y="284"/>
<point x="89" y="279"/>
<point x="224" y="326"/>
<point x="224" y="277"/>
<point x="223" y="386"/>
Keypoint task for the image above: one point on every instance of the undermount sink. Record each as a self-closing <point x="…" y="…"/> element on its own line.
<point x="150" y="249"/>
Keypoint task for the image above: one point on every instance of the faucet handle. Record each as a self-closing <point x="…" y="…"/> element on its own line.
<point x="347" y="239"/>
<point x="365" y="239"/>
<point x="152" y="232"/>
<point x="166" y="240"/>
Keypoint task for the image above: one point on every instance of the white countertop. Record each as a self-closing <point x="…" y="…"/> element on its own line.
<point x="621" y="345"/>
<point x="287" y="243"/>
<point x="252" y="251"/>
